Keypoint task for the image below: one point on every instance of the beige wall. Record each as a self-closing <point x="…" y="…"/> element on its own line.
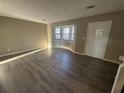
<point x="18" y="35"/>
<point x="115" y="46"/>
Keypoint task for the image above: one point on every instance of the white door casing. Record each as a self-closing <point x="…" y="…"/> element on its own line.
<point x="97" y="38"/>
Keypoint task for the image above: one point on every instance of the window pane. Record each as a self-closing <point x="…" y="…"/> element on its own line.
<point x="66" y="30"/>
<point x="58" y="37"/>
<point x="66" y="37"/>
<point x="57" y="31"/>
<point x="66" y="33"/>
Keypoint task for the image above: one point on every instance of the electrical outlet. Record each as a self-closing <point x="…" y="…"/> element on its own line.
<point x="121" y="58"/>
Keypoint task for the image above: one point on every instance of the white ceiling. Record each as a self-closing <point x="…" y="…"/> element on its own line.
<point x="56" y="10"/>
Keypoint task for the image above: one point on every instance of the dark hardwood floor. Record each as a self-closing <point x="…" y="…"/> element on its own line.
<point x="57" y="71"/>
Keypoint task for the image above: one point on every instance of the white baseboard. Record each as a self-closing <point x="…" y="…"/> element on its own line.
<point x="18" y="52"/>
<point x="68" y="49"/>
<point x="20" y="56"/>
<point x="107" y="60"/>
<point x="113" y="61"/>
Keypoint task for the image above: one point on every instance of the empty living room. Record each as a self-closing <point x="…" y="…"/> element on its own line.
<point x="61" y="46"/>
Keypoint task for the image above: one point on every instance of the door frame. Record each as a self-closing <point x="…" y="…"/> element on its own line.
<point x="87" y="33"/>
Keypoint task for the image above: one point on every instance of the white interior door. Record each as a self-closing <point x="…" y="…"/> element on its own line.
<point x="97" y="38"/>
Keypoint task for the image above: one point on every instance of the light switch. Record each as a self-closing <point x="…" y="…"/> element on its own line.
<point x="121" y="58"/>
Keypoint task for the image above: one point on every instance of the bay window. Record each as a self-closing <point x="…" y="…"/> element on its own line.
<point x="64" y="33"/>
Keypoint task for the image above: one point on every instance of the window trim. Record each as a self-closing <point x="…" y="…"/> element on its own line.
<point x="61" y="32"/>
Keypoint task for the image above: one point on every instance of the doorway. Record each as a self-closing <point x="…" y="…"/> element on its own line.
<point x="97" y="38"/>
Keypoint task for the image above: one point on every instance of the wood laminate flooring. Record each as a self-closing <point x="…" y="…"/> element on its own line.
<point x="57" y="71"/>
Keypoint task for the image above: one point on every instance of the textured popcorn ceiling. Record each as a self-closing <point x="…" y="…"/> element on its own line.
<point x="49" y="11"/>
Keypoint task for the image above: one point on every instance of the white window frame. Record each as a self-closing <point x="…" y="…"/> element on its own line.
<point x="61" y="32"/>
<point x="57" y="34"/>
